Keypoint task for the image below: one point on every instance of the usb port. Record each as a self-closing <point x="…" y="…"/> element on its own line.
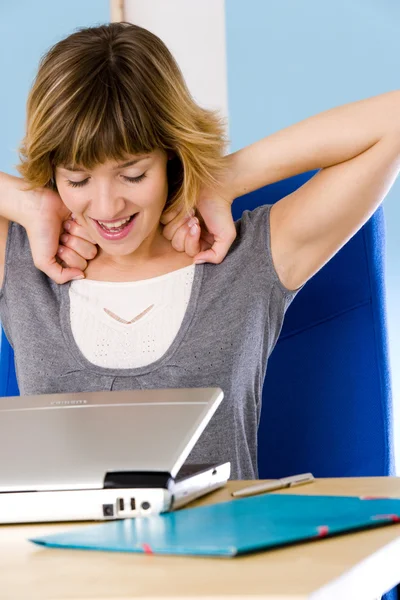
<point x="121" y="504"/>
<point x="133" y="504"/>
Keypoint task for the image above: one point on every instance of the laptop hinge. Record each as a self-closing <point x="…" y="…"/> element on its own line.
<point x="138" y="479"/>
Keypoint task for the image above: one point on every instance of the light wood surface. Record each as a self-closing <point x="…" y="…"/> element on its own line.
<point x="117" y="11"/>
<point x="358" y="566"/>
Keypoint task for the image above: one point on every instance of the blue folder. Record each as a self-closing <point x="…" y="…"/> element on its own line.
<point x="235" y="527"/>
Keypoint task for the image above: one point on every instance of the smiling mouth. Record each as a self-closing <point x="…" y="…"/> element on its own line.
<point x="115" y="226"/>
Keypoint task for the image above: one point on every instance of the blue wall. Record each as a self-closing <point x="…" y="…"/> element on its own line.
<point x="27" y="30"/>
<point x="288" y="60"/>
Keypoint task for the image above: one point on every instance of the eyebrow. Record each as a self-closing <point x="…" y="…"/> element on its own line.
<point x="130" y="163"/>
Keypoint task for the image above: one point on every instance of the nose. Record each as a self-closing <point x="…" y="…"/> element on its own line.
<point x="107" y="204"/>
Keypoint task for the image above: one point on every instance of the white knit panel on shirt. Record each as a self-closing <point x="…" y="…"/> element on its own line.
<point x="106" y="341"/>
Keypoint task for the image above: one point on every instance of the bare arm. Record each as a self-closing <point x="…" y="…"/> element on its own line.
<point x="357" y="148"/>
<point x="13" y="207"/>
<point x="13" y="203"/>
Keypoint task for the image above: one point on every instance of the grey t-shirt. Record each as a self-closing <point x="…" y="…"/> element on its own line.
<point x="231" y="325"/>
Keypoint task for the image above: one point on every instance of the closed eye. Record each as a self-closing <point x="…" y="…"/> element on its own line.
<point x="76" y="184"/>
<point x="135" y="179"/>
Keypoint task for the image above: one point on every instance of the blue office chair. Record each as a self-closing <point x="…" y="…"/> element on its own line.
<point x="8" y="379"/>
<point x="327" y="396"/>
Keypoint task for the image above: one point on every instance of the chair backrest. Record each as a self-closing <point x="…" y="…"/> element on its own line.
<point x="8" y="379"/>
<point x="327" y="395"/>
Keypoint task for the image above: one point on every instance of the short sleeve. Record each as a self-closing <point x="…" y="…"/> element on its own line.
<point x="257" y="224"/>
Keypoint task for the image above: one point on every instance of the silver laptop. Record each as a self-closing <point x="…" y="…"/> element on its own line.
<point x="103" y="455"/>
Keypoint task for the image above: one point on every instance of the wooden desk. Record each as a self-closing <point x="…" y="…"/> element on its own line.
<point x="359" y="566"/>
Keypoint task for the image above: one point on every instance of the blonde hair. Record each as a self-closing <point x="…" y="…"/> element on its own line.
<point x="110" y="91"/>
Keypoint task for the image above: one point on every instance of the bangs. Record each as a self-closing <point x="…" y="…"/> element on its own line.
<point x="103" y="125"/>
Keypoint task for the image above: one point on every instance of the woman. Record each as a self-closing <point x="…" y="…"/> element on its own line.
<point x="112" y="128"/>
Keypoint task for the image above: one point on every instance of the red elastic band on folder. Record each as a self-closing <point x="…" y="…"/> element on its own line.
<point x="323" y="530"/>
<point x="394" y="518"/>
<point x="147" y="549"/>
<point x="374" y="497"/>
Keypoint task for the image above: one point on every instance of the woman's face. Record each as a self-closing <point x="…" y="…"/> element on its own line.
<point x="119" y="204"/>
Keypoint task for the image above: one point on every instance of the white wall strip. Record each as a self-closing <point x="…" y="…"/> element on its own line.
<point x="195" y="34"/>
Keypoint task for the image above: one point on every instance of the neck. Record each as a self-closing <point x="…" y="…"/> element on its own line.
<point x="149" y="260"/>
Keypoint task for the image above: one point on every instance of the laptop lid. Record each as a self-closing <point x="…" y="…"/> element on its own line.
<point x="71" y="441"/>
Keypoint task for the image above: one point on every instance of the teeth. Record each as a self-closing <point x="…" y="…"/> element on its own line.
<point x="114" y="225"/>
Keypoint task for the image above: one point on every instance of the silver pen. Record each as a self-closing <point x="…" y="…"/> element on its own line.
<point x="277" y="484"/>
